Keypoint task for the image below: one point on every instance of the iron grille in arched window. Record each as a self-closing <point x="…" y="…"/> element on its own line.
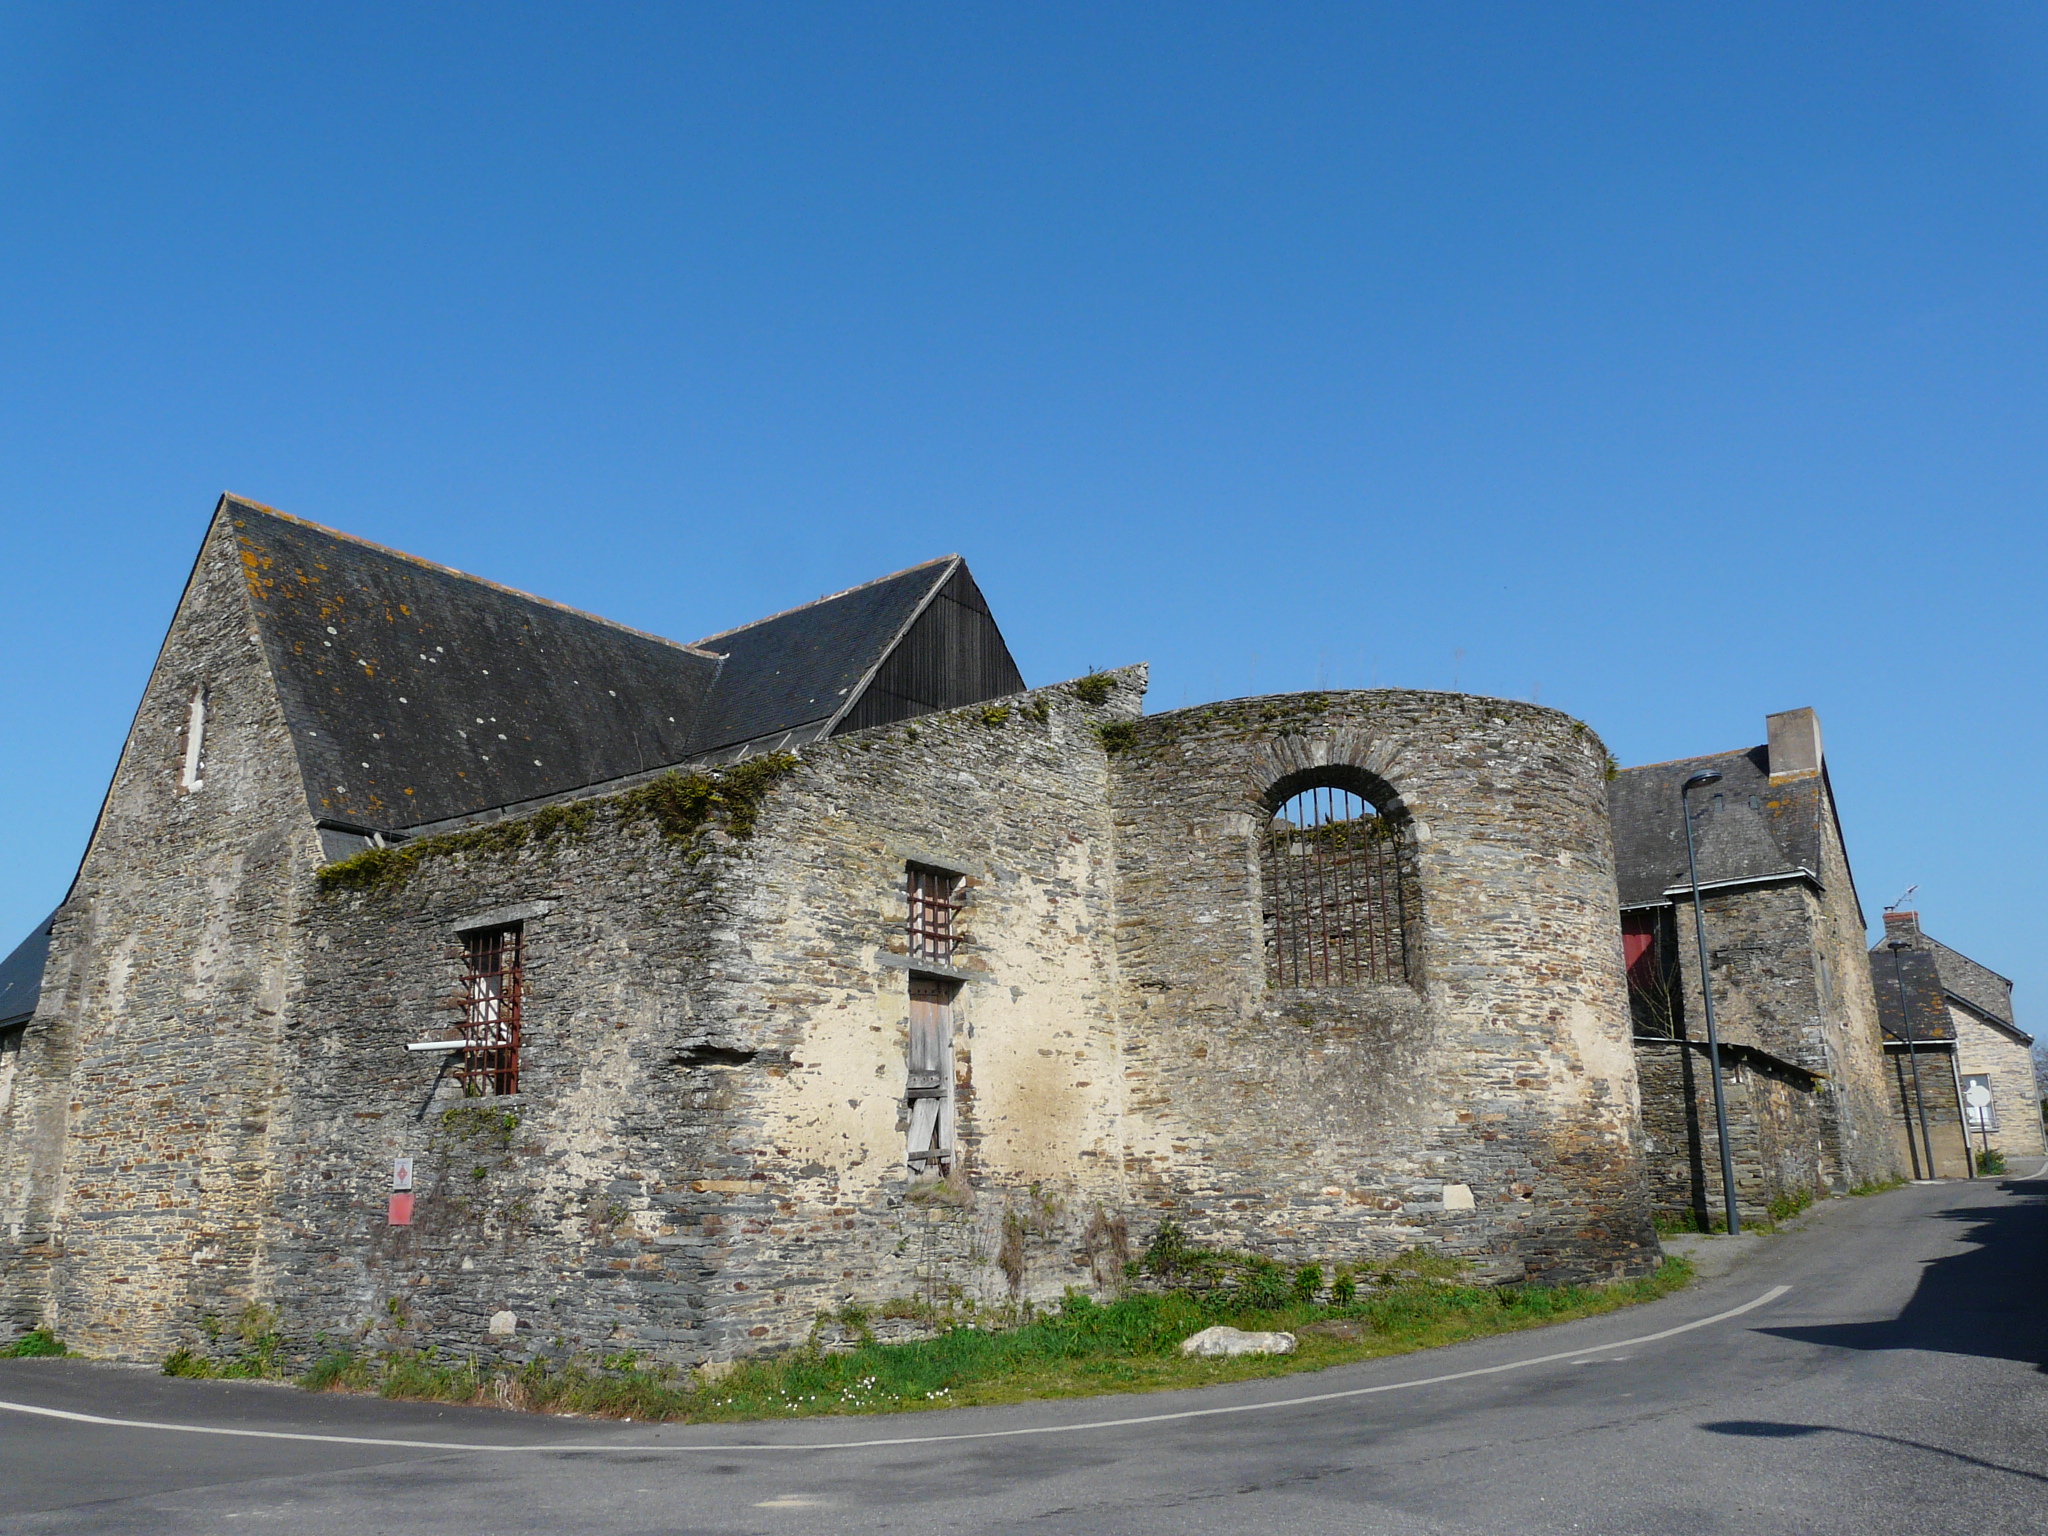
<point x="1336" y="911"/>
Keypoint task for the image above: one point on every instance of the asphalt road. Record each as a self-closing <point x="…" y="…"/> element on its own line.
<point x="1894" y="1384"/>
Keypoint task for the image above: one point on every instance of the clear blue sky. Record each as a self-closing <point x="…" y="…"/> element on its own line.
<point x="1682" y="363"/>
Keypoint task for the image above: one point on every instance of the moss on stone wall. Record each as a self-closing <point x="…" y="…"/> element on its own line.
<point x="1094" y="688"/>
<point x="680" y="804"/>
<point x="1118" y="735"/>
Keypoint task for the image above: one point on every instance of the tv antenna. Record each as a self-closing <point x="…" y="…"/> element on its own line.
<point x="1908" y="891"/>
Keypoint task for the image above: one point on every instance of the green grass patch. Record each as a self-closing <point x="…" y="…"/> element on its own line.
<point x="1082" y="1349"/>
<point x="37" y="1343"/>
<point x="1991" y="1162"/>
<point x="1879" y="1186"/>
<point x="1784" y="1207"/>
<point x="249" y="1349"/>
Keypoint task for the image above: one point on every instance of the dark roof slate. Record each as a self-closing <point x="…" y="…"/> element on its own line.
<point x="1924" y="1002"/>
<point x="21" y="975"/>
<point x="793" y="673"/>
<point x="1744" y="828"/>
<point x="1977" y="987"/>
<point x="416" y="693"/>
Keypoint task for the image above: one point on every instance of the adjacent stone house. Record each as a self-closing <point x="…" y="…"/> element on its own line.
<point x="21" y="982"/>
<point x="1803" y="1062"/>
<point x="449" y="967"/>
<point x="1963" y="1028"/>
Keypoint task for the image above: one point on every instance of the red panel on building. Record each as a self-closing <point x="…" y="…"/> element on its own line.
<point x="401" y="1210"/>
<point x="1639" y="948"/>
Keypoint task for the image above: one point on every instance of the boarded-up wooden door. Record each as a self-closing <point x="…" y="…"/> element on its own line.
<point x="931" y="1069"/>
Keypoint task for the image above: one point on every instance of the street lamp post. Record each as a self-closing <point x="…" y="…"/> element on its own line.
<point x="1699" y="928"/>
<point x="1899" y="947"/>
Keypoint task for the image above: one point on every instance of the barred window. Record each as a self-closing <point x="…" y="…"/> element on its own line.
<point x="934" y="913"/>
<point x="1336" y="902"/>
<point x="493" y="984"/>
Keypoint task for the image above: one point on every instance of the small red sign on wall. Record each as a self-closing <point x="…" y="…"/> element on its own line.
<point x="401" y="1210"/>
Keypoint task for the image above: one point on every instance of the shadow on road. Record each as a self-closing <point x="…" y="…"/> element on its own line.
<point x="1766" y="1429"/>
<point x="1983" y="1301"/>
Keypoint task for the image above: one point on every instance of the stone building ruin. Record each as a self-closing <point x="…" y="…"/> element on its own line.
<point x="448" y="967"/>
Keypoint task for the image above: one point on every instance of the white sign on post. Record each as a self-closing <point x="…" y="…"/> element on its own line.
<point x="401" y="1174"/>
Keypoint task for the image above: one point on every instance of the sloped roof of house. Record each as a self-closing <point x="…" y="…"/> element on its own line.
<point x="1977" y="988"/>
<point x="801" y="668"/>
<point x="21" y="975"/>
<point x="1744" y="828"/>
<point x="1924" y="1001"/>
<point x="417" y="693"/>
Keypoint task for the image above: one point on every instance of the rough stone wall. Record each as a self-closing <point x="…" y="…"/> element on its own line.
<point x="2015" y="1095"/>
<point x="138" y="1148"/>
<point x="1773" y="1129"/>
<point x="708" y="1148"/>
<point x="1857" y="1098"/>
<point x="1490" y="1106"/>
<point x="1937" y="1095"/>
<point x="1765" y="948"/>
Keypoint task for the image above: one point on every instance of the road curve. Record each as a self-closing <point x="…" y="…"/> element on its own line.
<point x="1878" y="1370"/>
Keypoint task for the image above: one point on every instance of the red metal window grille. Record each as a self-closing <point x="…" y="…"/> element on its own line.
<point x="935" y="907"/>
<point x="1336" y="904"/>
<point x="493" y="983"/>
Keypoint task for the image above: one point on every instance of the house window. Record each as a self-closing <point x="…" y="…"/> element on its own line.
<point x="1336" y="907"/>
<point x="195" y="743"/>
<point x="935" y="906"/>
<point x="1978" y="1110"/>
<point x="493" y="981"/>
<point x="930" y="1087"/>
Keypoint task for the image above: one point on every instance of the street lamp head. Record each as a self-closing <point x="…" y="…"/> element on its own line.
<point x="1895" y="945"/>
<point x="1700" y="781"/>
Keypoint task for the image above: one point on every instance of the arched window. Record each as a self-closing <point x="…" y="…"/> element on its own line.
<point x="1336" y="903"/>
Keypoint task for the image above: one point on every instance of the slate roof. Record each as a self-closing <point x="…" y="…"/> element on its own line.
<point x="415" y="692"/>
<point x="21" y="975"/>
<point x="1925" y="1001"/>
<point x="800" y="668"/>
<point x="418" y="694"/>
<point x="1744" y="828"/>
<point x="1978" y="988"/>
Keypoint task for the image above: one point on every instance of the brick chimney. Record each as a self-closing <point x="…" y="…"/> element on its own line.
<point x="1902" y="925"/>
<point x="1795" y="744"/>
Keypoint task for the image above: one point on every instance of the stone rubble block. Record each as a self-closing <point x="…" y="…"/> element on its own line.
<point x="1225" y="1343"/>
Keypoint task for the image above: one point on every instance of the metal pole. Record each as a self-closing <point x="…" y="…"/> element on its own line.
<point x="1955" y="1072"/>
<point x="1897" y="946"/>
<point x="1699" y="927"/>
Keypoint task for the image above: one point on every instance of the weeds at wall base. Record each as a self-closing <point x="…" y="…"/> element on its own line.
<point x="1084" y="1348"/>
<point x="36" y="1344"/>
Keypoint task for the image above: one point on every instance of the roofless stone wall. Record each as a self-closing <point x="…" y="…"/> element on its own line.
<point x="708" y="1146"/>
<point x="1489" y="1105"/>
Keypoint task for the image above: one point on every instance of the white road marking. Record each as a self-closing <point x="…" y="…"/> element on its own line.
<point x="615" y="1447"/>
